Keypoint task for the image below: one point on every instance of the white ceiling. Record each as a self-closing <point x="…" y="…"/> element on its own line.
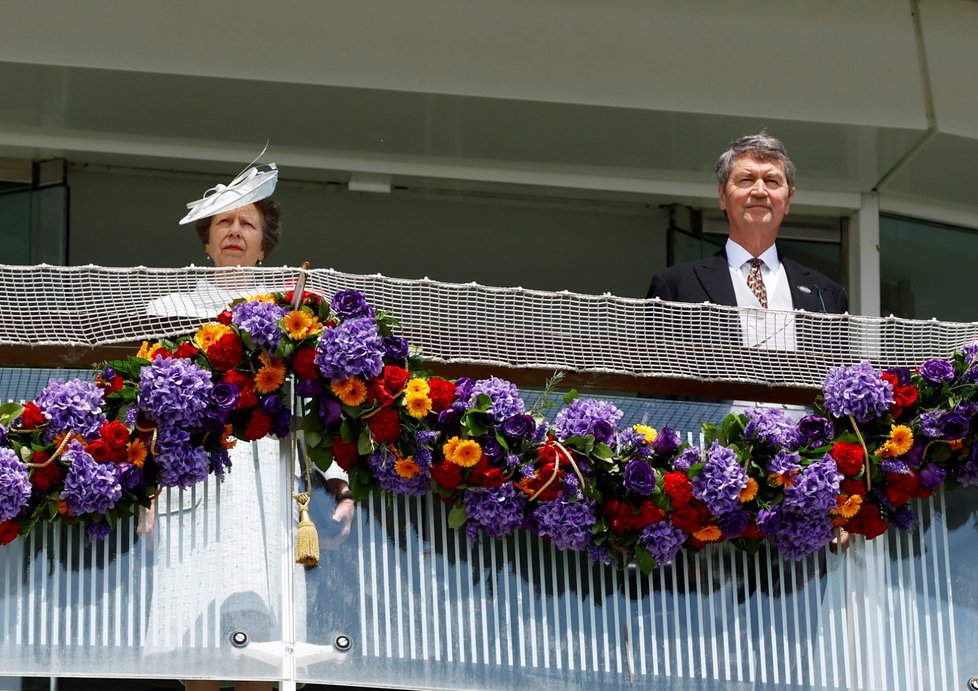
<point x="629" y="98"/>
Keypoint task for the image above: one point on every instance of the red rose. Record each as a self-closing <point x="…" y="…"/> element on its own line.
<point x="677" y="487"/>
<point x="448" y="475"/>
<point x="905" y="396"/>
<point x="848" y="457"/>
<point x="547" y="453"/>
<point x="395" y="378"/>
<point x="226" y="353"/>
<point x="753" y="532"/>
<point x="304" y="365"/>
<point x="100" y="450"/>
<point x="8" y="531"/>
<point x="442" y="394"/>
<point x="345" y="454"/>
<point x="687" y="519"/>
<point x="115" y="434"/>
<point x="224" y="318"/>
<point x="310" y="299"/>
<point x="32" y="416"/>
<point x="648" y="513"/>
<point x="377" y="392"/>
<point x="867" y="522"/>
<point x="246" y="389"/>
<point x="162" y="352"/>
<point x="186" y="350"/>
<point x="110" y="386"/>
<point x="901" y="487"/>
<point x="45" y="478"/>
<point x="486" y="476"/>
<point x="259" y="425"/>
<point x="385" y="426"/>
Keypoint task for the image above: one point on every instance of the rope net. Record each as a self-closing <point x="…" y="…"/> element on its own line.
<point x="474" y="324"/>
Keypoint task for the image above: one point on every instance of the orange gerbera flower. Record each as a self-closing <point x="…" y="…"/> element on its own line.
<point x="417" y="405"/>
<point x="467" y="453"/>
<point x="749" y="492"/>
<point x="708" y="534"/>
<point x="351" y="392"/>
<point x="270" y="378"/>
<point x="296" y="324"/>
<point x="848" y="506"/>
<point x="406" y="467"/>
<point x="228" y="440"/>
<point x="136" y="452"/>
<point x="449" y="447"/>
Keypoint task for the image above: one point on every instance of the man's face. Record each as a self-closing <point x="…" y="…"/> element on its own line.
<point x="756" y="198"/>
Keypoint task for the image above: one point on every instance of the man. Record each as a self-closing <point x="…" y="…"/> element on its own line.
<point x="755" y="182"/>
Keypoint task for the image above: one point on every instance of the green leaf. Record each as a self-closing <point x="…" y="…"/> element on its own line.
<point x="9" y="411"/>
<point x="457" y="517"/>
<point x="603" y="451"/>
<point x="365" y="444"/>
<point x="570" y="396"/>
<point x="644" y="560"/>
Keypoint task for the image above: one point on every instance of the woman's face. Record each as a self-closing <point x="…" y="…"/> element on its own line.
<point x="235" y="237"/>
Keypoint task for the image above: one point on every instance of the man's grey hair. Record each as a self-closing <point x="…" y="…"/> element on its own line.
<point x="761" y="146"/>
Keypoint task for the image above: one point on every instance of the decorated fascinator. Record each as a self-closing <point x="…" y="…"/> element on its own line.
<point x="254" y="183"/>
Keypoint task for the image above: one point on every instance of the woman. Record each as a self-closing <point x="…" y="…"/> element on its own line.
<point x="210" y="583"/>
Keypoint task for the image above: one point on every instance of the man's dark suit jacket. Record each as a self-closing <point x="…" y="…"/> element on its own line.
<point x="708" y="280"/>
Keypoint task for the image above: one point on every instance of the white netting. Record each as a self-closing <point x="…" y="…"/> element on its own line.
<point x="470" y="323"/>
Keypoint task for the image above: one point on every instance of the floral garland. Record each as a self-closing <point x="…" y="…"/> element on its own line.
<point x="95" y="452"/>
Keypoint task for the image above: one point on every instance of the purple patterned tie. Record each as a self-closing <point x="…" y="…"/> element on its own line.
<point x="756" y="283"/>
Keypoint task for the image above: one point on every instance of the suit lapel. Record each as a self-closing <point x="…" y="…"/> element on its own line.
<point x="804" y="295"/>
<point x="714" y="275"/>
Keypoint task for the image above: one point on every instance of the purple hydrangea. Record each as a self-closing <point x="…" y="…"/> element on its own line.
<point x="795" y="535"/>
<point x="639" y="477"/>
<point x="130" y="476"/>
<point x="354" y="348"/>
<point x="505" y="397"/>
<point x="815" y="489"/>
<point x="175" y="392"/>
<point x="180" y="463"/>
<point x="3" y="435"/>
<point x="771" y="427"/>
<point x="383" y="465"/>
<point x="496" y="512"/>
<point x="858" y="390"/>
<point x="351" y="304"/>
<point x="90" y="487"/>
<point x="96" y="530"/>
<point x="784" y="463"/>
<point x="936" y="371"/>
<point x="687" y="458"/>
<point x="968" y="472"/>
<point x="893" y="465"/>
<point x="567" y="524"/>
<point x="721" y="481"/>
<point x="814" y="431"/>
<point x="663" y="540"/>
<point x="633" y="440"/>
<point x="904" y="519"/>
<point x="260" y="320"/>
<point x="15" y="485"/>
<point x="582" y="417"/>
<point x="929" y="423"/>
<point x="74" y="405"/>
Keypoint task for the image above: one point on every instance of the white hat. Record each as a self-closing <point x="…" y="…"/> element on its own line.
<point x="251" y="185"/>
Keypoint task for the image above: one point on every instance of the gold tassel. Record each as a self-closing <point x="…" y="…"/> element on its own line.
<point x="306" y="537"/>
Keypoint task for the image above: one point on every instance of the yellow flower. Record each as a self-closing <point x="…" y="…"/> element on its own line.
<point x="848" y="506"/>
<point x="351" y="392"/>
<point x="648" y="432"/>
<point x="417" y="406"/>
<point x="708" y="534"/>
<point x="417" y="387"/>
<point x="264" y="297"/>
<point x="136" y="453"/>
<point x="448" y="448"/>
<point x="270" y="378"/>
<point x="749" y="492"/>
<point x="899" y="443"/>
<point x="209" y="334"/>
<point x="782" y="479"/>
<point x="147" y="351"/>
<point x="466" y="453"/>
<point x="297" y="323"/>
<point x="406" y="467"/>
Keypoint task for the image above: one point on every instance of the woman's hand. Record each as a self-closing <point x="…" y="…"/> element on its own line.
<point x="342" y="516"/>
